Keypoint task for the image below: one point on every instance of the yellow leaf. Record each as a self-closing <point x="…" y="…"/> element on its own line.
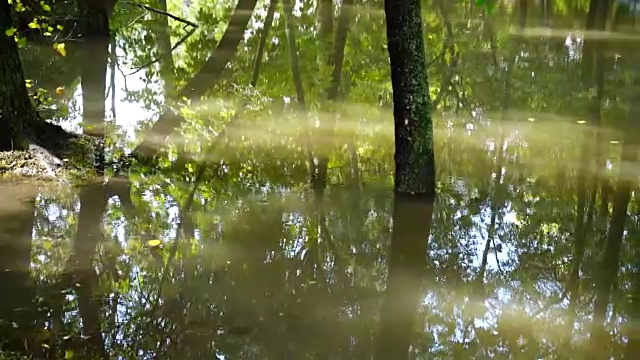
<point x="60" y="49"/>
<point x="59" y="90"/>
<point x="154" y="242"/>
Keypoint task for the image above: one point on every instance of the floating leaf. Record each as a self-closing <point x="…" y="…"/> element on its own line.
<point x="154" y="242"/>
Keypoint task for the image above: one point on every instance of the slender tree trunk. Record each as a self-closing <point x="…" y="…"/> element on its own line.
<point x="414" y="157"/>
<point x="268" y="22"/>
<point x="163" y="38"/>
<point x="608" y="273"/>
<point x="448" y="69"/>
<point x="523" y="13"/>
<point x="407" y="269"/>
<point x="95" y="52"/>
<point x="17" y="308"/>
<point x="16" y="110"/>
<point x="287" y="8"/>
<point x="202" y="82"/>
<point x="93" y="202"/>
<point x="319" y="164"/>
<point x="495" y="205"/>
<point x="590" y="78"/>
<point x="324" y="24"/>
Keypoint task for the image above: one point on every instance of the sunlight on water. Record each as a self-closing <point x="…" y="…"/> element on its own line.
<point x="267" y="227"/>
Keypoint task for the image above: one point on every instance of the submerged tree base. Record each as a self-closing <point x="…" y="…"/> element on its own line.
<point x="53" y="154"/>
<point x="33" y="163"/>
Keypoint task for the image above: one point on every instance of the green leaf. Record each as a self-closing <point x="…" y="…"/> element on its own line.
<point x="10" y="31"/>
<point x="45" y="7"/>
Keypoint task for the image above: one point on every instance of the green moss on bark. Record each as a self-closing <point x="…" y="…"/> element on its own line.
<point x="414" y="157"/>
<point x="15" y="107"/>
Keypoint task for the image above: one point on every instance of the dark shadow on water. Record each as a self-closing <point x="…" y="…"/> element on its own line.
<point x="407" y="269"/>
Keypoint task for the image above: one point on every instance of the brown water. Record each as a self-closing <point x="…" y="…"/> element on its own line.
<point x="530" y="251"/>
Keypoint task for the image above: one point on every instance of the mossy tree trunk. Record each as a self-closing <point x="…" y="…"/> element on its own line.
<point x="16" y="110"/>
<point x="414" y="157"/>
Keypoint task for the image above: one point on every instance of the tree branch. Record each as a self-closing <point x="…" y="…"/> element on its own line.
<point x="161" y="12"/>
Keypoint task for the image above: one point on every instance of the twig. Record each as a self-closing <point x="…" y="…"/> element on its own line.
<point x="112" y="68"/>
<point x="157" y="11"/>
<point x="550" y="304"/>
<point x="155" y="60"/>
<point x="495" y="252"/>
<point x="124" y="77"/>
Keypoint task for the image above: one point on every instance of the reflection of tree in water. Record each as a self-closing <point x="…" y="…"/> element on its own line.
<point x="531" y="253"/>
<point x="272" y="278"/>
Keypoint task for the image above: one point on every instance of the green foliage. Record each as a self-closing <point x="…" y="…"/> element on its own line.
<point x="261" y="266"/>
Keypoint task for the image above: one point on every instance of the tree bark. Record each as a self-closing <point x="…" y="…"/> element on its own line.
<point x="16" y="110"/>
<point x="95" y="53"/>
<point x="287" y="8"/>
<point x="167" y="66"/>
<point x="324" y="24"/>
<point x="414" y="157"/>
<point x="268" y="22"/>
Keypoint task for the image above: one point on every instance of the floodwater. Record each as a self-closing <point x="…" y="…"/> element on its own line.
<point x="228" y="248"/>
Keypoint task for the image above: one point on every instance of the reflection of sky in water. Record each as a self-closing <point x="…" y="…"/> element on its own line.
<point x="128" y="113"/>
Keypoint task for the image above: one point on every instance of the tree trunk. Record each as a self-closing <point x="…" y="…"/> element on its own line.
<point x="262" y="44"/>
<point x="163" y="39"/>
<point x="202" y="81"/>
<point x="319" y="164"/>
<point x="407" y="264"/>
<point x="324" y="24"/>
<point x="523" y="13"/>
<point x="607" y="276"/>
<point x="414" y="157"/>
<point x="16" y="110"/>
<point x="95" y="52"/>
